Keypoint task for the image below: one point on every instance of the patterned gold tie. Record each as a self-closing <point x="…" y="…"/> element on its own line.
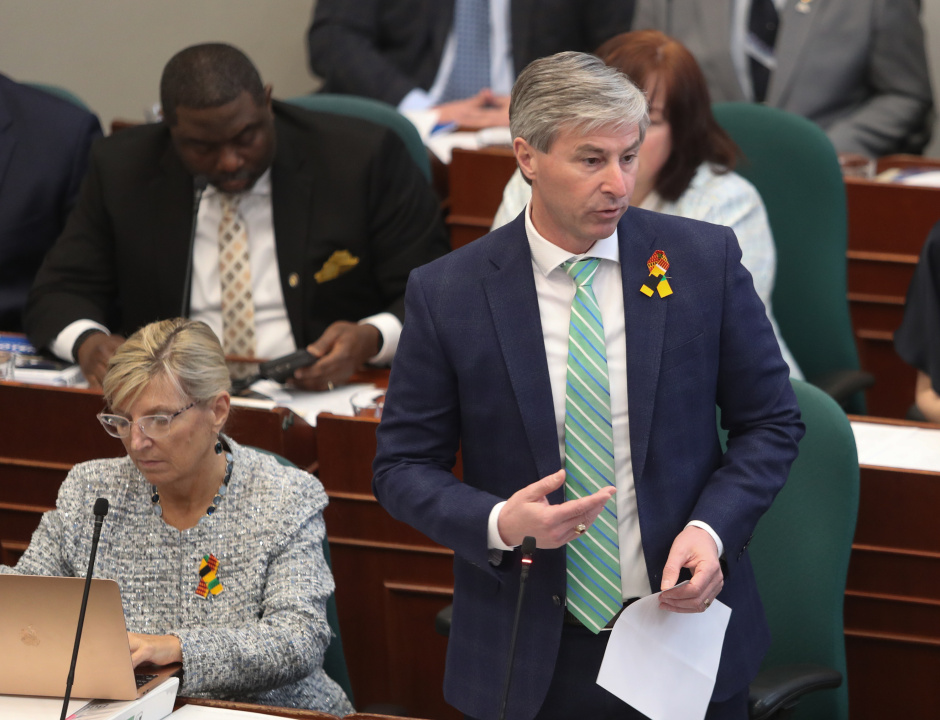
<point x="238" y="308"/>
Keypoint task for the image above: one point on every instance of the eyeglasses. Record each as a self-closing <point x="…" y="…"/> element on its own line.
<point x="153" y="426"/>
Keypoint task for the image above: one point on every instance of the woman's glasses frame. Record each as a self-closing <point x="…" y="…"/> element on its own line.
<point x="153" y="426"/>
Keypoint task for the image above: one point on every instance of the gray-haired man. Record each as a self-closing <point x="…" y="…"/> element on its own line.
<point x="660" y="312"/>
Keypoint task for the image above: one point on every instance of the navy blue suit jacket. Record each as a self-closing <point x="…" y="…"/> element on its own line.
<point x="44" y="145"/>
<point x="471" y="371"/>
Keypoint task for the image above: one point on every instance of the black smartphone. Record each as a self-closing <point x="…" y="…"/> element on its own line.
<point x="279" y="369"/>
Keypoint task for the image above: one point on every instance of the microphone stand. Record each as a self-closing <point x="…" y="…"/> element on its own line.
<point x="100" y="510"/>
<point x="528" y="548"/>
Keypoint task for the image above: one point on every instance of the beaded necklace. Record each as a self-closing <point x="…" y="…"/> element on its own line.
<point x="223" y="488"/>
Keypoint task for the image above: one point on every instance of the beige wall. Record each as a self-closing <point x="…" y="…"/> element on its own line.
<point x="111" y="52"/>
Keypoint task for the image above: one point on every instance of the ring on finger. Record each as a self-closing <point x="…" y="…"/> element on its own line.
<point x="706" y="603"/>
<point x="329" y="384"/>
<point x="580" y="528"/>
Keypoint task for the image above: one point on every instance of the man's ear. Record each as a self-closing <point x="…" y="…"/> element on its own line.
<point x="526" y="157"/>
<point x="268" y="90"/>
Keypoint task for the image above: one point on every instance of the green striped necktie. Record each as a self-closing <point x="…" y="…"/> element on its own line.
<point x="593" y="559"/>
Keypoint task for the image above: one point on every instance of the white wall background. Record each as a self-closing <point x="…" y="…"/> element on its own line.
<point x="111" y="52"/>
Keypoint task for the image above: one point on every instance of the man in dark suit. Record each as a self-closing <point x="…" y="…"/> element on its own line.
<point x="335" y="211"/>
<point x="485" y="365"/>
<point x="44" y="145"/>
<point x="394" y="50"/>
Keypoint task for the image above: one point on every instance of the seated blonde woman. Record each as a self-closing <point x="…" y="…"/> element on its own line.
<point x="184" y="491"/>
<point x="686" y="161"/>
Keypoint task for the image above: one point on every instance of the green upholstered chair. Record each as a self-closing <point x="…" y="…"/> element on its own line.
<point x="795" y="168"/>
<point x="59" y="92"/>
<point x="376" y="111"/>
<point x="800" y="554"/>
<point x="334" y="660"/>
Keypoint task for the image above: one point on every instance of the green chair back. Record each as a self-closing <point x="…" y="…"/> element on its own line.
<point x="59" y="92"/>
<point x="376" y="111"/>
<point x="795" y="168"/>
<point x="334" y="660"/>
<point x="801" y="549"/>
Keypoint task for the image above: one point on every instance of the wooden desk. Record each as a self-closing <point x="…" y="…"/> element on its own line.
<point x="892" y="599"/>
<point x="391" y="580"/>
<point x="477" y="179"/>
<point x="888" y="224"/>
<point x="44" y="431"/>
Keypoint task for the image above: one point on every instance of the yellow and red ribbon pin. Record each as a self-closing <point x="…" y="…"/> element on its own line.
<point x="208" y="579"/>
<point x="658" y="265"/>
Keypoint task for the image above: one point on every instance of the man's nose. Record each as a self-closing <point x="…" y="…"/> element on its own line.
<point x="229" y="160"/>
<point x="615" y="181"/>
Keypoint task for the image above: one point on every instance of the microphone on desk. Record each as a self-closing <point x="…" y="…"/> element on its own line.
<point x="528" y="549"/>
<point x="199" y="186"/>
<point x="100" y="510"/>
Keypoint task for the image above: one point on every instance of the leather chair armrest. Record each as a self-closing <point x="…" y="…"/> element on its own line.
<point x="778" y="689"/>
<point x="442" y="621"/>
<point x="843" y="384"/>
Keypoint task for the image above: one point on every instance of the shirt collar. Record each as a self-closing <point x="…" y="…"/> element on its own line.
<point x="262" y="187"/>
<point x="547" y="256"/>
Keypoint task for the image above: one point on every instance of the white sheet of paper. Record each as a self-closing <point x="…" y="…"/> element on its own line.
<point x="21" y="707"/>
<point x="662" y="663"/>
<point x="304" y="403"/>
<point x="198" y="712"/>
<point x="897" y="446"/>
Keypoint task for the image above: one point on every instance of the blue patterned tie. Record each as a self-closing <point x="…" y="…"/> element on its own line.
<point x="471" y="70"/>
<point x="593" y="559"/>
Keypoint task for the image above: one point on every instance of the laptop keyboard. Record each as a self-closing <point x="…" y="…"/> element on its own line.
<point x="143" y="680"/>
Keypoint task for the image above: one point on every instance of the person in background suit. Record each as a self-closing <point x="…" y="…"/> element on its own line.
<point x="405" y="52"/>
<point x="44" y="146"/>
<point x="858" y="68"/>
<point x="485" y="365"/>
<point x="327" y="215"/>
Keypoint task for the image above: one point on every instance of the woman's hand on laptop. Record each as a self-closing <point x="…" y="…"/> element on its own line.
<point x="155" y="649"/>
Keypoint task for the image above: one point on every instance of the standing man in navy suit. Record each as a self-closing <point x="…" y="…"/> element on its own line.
<point x="484" y="365"/>
<point x="44" y="146"/>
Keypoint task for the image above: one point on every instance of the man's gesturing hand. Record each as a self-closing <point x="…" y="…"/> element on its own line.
<point x="528" y="512"/>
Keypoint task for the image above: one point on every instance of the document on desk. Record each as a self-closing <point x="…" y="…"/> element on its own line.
<point x="662" y="663"/>
<point x="897" y="446"/>
<point x="198" y="712"/>
<point x="304" y="403"/>
<point x="21" y="707"/>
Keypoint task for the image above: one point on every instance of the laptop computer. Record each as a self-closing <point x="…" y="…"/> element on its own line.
<point x="38" y="618"/>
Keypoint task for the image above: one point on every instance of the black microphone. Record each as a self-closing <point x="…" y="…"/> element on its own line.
<point x="199" y="186"/>
<point x="528" y="549"/>
<point x="100" y="510"/>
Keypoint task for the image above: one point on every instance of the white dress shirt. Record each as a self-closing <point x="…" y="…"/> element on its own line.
<point x="556" y="291"/>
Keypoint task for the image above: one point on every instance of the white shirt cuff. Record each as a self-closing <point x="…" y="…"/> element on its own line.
<point x="61" y="346"/>
<point x="389" y="328"/>
<point x="707" y="528"/>
<point x="493" y="539"/>
<point x="416" y="99"/>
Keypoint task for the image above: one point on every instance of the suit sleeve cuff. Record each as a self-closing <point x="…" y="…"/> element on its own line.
<point x="61" y="346"/>
<point x="389" y="328"/>
<point x="707" y="528"/>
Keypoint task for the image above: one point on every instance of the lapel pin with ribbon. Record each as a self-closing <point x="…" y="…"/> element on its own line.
<point x="208" y="580"/>
<point x="658" y="265"/>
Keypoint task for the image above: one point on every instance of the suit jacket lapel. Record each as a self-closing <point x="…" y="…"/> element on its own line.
<point x="510" y="291"/>
<point x="293" y="204"/>
<point x="645" y="320"/>
<point x="172" y="193"/>
<point x="7" y="141"/>
<point x="795" y="29"/>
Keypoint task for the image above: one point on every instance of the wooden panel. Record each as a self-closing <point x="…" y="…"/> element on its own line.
<point x="906" y="573"/>
<point x="893" y="392"/>
<point x="886" y="274"/>
<point x="891" y="679"/>
<point x="884" y="217"/>
<point x="915" y="619"/>
<point x="899" y="510"/>
<point x="477" y="179"/>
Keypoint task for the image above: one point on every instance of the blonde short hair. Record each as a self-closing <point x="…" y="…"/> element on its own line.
<point x="186" y="352"/>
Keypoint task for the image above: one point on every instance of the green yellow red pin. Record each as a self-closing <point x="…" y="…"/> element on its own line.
<point x="658" y="265"/>
<point x="208" y="580"/>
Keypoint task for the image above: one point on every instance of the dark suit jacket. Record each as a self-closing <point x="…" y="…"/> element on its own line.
<point x="471" y="371"/>
<point x="338" y="183"/>
<point x="44" y="145"/>
<point x="383" y="49"/>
